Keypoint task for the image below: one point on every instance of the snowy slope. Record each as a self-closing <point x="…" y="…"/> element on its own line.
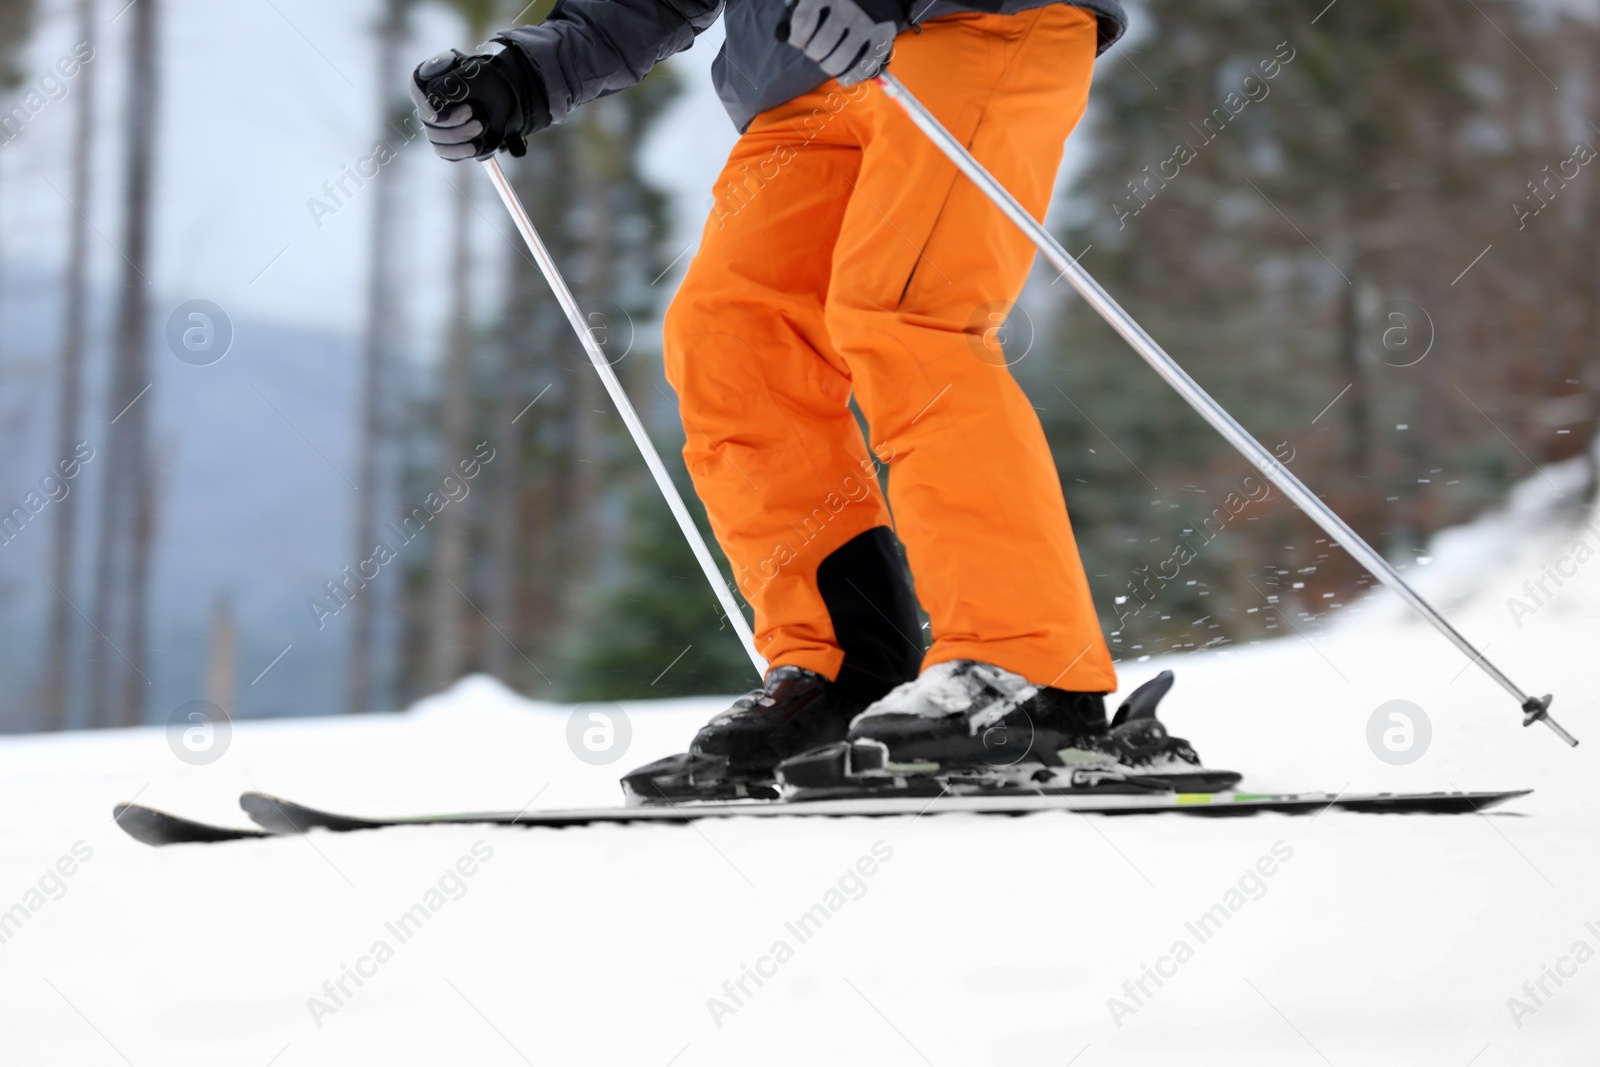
<point x="1378" y="940"/>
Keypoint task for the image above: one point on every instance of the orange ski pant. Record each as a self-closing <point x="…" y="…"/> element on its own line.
<point x="845" y="255"/>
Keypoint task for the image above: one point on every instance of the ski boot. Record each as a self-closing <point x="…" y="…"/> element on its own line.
<point x="733" y="757"/>
<point x="967" y="727"/>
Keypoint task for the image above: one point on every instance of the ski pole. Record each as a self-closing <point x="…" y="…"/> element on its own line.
<point x="1535" y="709"/>
<point x="652" y="459"/>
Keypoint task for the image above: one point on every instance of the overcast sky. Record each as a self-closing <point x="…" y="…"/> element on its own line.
<point x="262" y="101"/>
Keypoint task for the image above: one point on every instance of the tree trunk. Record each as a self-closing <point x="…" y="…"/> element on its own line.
<point x="1589" y="368"/>
<point x="134" y="349"/>
<point x="69" y="410"/>
<point x="534" y="334"/>
<point x="222" y="661"/>
<point x="135" y="680"/>
<point x="587" y="454"/>
<point x="123" y="564"/>
<point x="522" y="408"/>
<point x="504" y="511"/>
<point x="380" y="306"/>
<point x="450" y="529"/>
<point x="1357" y="412"/>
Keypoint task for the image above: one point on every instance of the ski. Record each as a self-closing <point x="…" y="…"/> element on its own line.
<point x="278" y="816"/>
<point x="156" y="827"/>
<point x="285" y="816"/>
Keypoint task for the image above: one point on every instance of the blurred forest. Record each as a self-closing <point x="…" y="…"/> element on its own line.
<point x="1371" y="230"/>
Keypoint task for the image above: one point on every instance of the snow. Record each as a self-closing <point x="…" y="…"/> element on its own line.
<point x="956" y="939"/>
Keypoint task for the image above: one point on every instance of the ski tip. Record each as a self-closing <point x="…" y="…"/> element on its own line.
<point x="286" y="817"/>
<point x="272" y="813"/>
<point x="154" y="827"/>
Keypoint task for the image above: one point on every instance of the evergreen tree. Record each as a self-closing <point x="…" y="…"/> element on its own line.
<point x="660" y="633"/>
<point x="1288" y="201"/>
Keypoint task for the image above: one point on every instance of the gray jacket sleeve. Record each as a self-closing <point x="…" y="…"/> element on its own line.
<point x="588" y="48"/>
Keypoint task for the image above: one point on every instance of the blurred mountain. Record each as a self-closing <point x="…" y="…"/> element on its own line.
<point x="253" y="454"/>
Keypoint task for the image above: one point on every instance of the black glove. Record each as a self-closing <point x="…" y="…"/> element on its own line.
<point x="473" y="106"/>
<point x="849" y="39"/>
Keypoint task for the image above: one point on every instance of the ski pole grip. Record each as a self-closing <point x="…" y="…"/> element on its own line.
<point x="440" y="95"/>
<point x="440" y="83"/>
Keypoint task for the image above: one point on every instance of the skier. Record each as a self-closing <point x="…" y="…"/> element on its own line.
<point x="845" y="256"/>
